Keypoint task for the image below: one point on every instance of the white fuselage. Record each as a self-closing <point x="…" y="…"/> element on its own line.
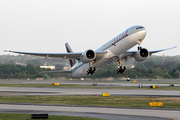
<point x="114" y="49"/>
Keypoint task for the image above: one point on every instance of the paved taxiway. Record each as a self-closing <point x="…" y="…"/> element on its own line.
<point x="71" y="91"/>
<point x="116" y="83"/>
<point x="88" y="82"/>
<point x="90" y="115"/>
<point x="97" y="112"/>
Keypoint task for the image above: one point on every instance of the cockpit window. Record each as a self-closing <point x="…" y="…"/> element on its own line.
<point x="138" y="28"/>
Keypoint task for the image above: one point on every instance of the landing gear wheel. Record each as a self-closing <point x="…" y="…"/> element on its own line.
<point x="91" y="70"/>
<point x="139" y="48"/>
<point x="117" y="71"/>
<point x="121" y="69"/>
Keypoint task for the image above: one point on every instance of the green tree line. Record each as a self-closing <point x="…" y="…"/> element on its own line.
<point x="19" y="72"/>
<point x="154" y="67"/>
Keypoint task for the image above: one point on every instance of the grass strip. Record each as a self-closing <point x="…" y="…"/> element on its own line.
<point x="113" y="101"/>
<point x="16" y="116"/>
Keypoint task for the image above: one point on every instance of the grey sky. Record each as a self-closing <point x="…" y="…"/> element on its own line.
<point x="45" y="25"/>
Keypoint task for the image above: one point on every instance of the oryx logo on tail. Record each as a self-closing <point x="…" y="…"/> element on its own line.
<point x="69" y="50"/>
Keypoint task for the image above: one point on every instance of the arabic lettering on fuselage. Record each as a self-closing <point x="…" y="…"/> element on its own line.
<point x="119" y="37"/>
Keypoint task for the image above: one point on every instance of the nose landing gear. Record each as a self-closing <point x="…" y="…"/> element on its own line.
<point x="139" y="45"/>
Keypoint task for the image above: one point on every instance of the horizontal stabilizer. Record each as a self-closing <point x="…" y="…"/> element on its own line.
<point x="56" y="71"/>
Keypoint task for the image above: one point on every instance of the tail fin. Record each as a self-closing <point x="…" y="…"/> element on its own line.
<point x="69" y="50"/>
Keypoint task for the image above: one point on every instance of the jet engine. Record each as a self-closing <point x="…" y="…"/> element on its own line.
<point x="141" y="55"/>
<point x="88" y="56"/>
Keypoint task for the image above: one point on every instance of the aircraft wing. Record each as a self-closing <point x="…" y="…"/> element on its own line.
<point x="155" y="51"/>
<point x="129" y="54"/>
<point x="74" y="55"/>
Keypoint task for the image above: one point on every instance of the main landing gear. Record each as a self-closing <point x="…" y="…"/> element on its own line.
<point x="121" y="68"/>
<point x="91" y="70"/>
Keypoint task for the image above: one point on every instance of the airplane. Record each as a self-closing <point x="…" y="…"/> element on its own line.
<point x="115" y="50"/>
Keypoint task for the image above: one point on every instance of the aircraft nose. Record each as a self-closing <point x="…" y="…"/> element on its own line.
<point x="141" y="34"/>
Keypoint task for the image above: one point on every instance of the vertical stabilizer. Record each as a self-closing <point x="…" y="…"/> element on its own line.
<point x="69" y="50"/>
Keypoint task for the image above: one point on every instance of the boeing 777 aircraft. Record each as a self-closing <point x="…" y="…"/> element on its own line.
<point x="115" y="50"/>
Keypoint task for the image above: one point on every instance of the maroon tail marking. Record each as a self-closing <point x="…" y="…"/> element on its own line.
<point x="71" y="61"/>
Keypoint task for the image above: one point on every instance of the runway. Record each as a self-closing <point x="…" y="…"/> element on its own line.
<point x="85" y="82"/>
<point x="90" y="115"/>
<point x="20" y="91"/>
<point x="97" y="112"/>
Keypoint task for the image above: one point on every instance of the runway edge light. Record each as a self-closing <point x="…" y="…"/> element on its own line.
<point x="154" y="86"/>
<point x="55" y="84"/>
<point x="105" y="94"/>
<point x="94" y="84"/>
<point x="171" y="85"/>
<point x="155" y="103"/>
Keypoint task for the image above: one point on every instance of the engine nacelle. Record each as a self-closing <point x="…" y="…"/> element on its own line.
<point x="141" y="55"/>
<point x="88" y="56"/>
